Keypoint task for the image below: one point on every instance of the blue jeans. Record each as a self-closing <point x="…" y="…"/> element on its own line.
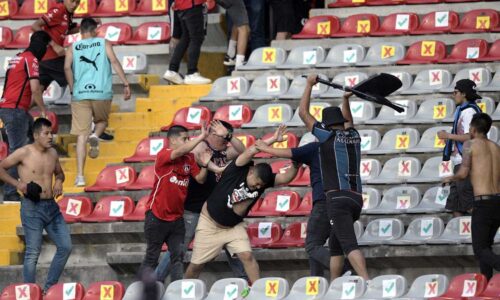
<point x="17" y="123"/>
<point x="35" y="217"/>
<point x="190" y="223"/>
<point x="256" y="10"/>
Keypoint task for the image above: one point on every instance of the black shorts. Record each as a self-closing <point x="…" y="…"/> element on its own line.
<point x="283" y="15"/>
<point x="236" y="10"/>
<point x="52" y="69"/>
<point x="461" y="196"/>
<point x="343" y="208"/>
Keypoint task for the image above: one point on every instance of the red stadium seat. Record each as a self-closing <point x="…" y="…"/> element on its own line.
<point x="8" y="8"/>
<point x="147" y="149"/>
<point x="397" y="24"/>
<point x="73" y="208"/>
<point x="254" y="211"/>
<point x="6" y="35"/>
<point x="114" y="8"/>
<point x="437" y="23"/>
<point x="384" y="2"/>
<point x="69" y="290"/>
<point x="21" y="291"/>
<point x="465" y="285"/>
<point x="303" y="177"/>
<point x="493" y="54"/>
<point x="71" y="38"/>
<point x="455" y="1"/>
<point x="318" y="27"/>
<point x="467" y="51"/>
<point x="424" y="52"/>
<point x="33" y="9"/>
<point x="191" y="117"/>
<point x="151" y="33"/>
<point x="236" y="115"/>
<point x="116" y="33"/>
<point x="51" y="116"/>
<point x="4" y="150"/>
<point x="110" y="209"/>
<point x="113" y="178"/>
<point x="139" y="211"/>
<point x="423" y="1"/>
<point x="492" y="290"/>
<point x="277" y="203"/>
<point x="346" y="3"/>
<point x="112" y="290"/>
<point x="247" y="139"/>
<point x="479" y="20"/>
<point x="150" y="8"/>
<point x="21" y="39"/>
<point x="144" y="181"/>
<point x="281" y="166"/>
<point x="305" y="206"/>
<point x="291" y="142"/>
<point x="264" y="234"/>
<point x="294" y="236"/>
<point x="86" y="8"/>
<point x="358" y="25"/>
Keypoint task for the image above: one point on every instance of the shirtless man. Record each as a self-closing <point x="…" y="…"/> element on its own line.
<point x="481" y="159"/>
<point x="36" y="164"/>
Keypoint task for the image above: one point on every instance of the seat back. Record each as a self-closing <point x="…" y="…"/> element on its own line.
<point x="247" y="139"/>
<point x="362" y="24"/>
<point x="72" y="38"/>
<point x="319" y="27"/>
<point x="51" y="116"/>
<point x="381" y="230"/>
<point x="291" y="141"/>
<point x="349" y="79"/>
<point x="275" y="288"/>
<point x="21" y="39"/>
<point x="145" y="180"/>
<point x="439" y="21"/>
<point x="493" y="287"/>
<point x="136" y="291"/>
<point x="266" y="57"/>
<point x="432" y="80"/>
<point x="85" y="8"/>
<point x="4" y="64"/>
<point x="32" y="9"/>
<point x="486" y="104"/>
<point x="113" y="178"/>
<point x="191" y="117"/>
<point x="110" y="208"/>
<point x="263" y="234"/>
<point x="316" y="110"/>
<point x="21" y="291"/>
<point x="369" y="168"/>
<point x="400" y="167"/>
<point x="384" y="53"/>
<point x="435" y="167"/>
<point x="267" y="85"/>
<point x="75" y="207"/>
<point x="186" y="289"/>
<point x="140" y="209"/>
<point x="279" y="202"/>
<point x="494" y="49"/>
<point x="8" y="8"/>
<point x="399" y="139"/>
<point x="457" y="229"/>
<point x="132" y="62"/>
<point x="5" y="32"/>
<point x="346" y="54"/>
<point x="69" y="290"/>
<point x="112" y="290"/>
<point x="470" y="49"/>
<point x="227" y="288"/>
<point x="294" y="235"/>
<point x="152" y="33"/>
<point x="371" y="198"/>
<point x="370" y="139"/>
<point x="305" y="55"/>
<point x="479" y="20"/>
<point x="435" y="197"/>
<point x="466" y="285"/>
<point x="346" y="287"/>
<point x="400" y="198"/>
<point x="406" y="80"/>
<point x="228" y="87"/>
<point x="116" y="33"/>
<point x="481" y="76"/>
<point x="299" y="83"/>
<point x="430" y="140"/>
<point x="362" y="111"/>
<point x="388" y="114"/>
<point x="493" y="134"/>
<point x="426" y="51"/>
<point x="147" y="149"/>
<point x="386" y="287"/>
<point x="4" y="150"/>
<point x="308" y="288"/>
<point x="425" y="228"/>
<point x="236" y="115"/>
<point x="111" y="8"/>
<point x="151" y="7"/>
<point x="359" y="229"/>
<point x="401" y="23"/>
<point x="436" y="109"/>
<point x="53" y="92"/>
<point x="270" y="115"/>
<point x="427" y="286"/>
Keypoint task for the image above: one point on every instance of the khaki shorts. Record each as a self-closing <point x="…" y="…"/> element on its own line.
<point x="210" y="239"/>
<point x="85" y="111"/>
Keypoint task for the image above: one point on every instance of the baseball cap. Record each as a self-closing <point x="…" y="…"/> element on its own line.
<point x="332" y="115"/>
<point x="468" y="87"/>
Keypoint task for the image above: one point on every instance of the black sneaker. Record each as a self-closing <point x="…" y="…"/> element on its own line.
<point x="104" y="137"/>
<point x="229" y="61"/>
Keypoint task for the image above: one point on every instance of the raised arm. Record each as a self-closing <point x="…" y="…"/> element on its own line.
<point x="466" y="165"/>
<point x="346" y="110"/>
<point x="237" y="146"/>
<point x="263" y="147"/>
<point x="118" y="69"/>
<point x="189" y="146"/>
<point x="203" y="159"/>
<point x="305" y="101"/>
<point x="245" y="157"/>
<point x="11" y="161"/>
<point x="68" y="68"/>
<point x="288" y="176"/>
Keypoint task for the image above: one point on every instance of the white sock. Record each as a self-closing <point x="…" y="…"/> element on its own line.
<point x="231" y="48"/>
<point x="240" y="59"/>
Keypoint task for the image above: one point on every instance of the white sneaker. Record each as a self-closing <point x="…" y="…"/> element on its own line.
<point x="79" y="181"/>
<point x="94" y="146"/>
<point x="196" y="78"/>
<point x="173" y="77"/>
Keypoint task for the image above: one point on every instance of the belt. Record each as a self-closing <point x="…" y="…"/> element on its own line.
<point x="487" y="197"/>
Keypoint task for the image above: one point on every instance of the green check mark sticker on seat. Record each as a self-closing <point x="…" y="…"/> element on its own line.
<point x="386" y="228"/>
<point x="69" y="291"/>
<point x="236" y="112"/>
<point x="188" y="290"/>
<point x="192" y="116"/>
<point x="264" y="230"/>
<point x="389" y="288"/>
<point x="118" y="208"/>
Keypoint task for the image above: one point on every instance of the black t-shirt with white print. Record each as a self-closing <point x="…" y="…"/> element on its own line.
<point x="231" y="189"/>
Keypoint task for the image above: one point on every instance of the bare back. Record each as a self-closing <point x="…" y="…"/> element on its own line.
<point x="485" y="167"/>
<point x="39" y="167"/>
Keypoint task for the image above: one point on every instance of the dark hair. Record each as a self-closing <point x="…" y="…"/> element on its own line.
<point x="228" y="126"/>
<point x="88" y="25"/>
<point x="40" y="123"/>
<point x="38" y="44"/>
<point x="176" y="130"/>
<point x="482" y="122"/>
<point x="265" y="173"/>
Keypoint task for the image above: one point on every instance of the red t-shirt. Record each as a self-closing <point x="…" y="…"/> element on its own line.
<point x="171" y="183"/>
<point x="17" y="89"/>
<point x="57" y="21"/>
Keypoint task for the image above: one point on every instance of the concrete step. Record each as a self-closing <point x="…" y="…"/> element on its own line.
<point x="11" y="242"/>
<point x="132" y="134"/>
<point x="92" y="165"/>
<point x="9" y="211"/>
<point x="109" y="149"/>
<point x="8" y="226"/>
<point x="169" y="92"/>
<point x="152" y="105"/>
<point x="70" y="180"/>
<point x="130" y="119"/>
<point x="10" y="257"/>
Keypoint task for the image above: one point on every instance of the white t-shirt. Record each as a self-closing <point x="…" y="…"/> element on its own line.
<point x="462" y="128"/>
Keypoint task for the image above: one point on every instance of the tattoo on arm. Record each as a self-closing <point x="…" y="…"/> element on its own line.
<point x="467" y="154"/>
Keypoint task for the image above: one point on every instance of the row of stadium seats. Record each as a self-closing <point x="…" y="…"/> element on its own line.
<point x="149" y="33"/>
<point x="353" y="3"/>
<point x="33" y="9"/>
<point x="438" y="22"/>
<point x="380" y="54"/>
<point x="434" y="286"/>
<point x="273" y="86"/>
